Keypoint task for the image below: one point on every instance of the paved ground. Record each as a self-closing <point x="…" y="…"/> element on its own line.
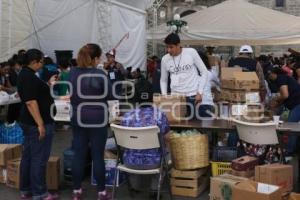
<point x="62" y="140"/>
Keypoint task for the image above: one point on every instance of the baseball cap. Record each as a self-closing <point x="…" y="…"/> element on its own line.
<point x="111" y="52"/>
<point x="246" y="49"/>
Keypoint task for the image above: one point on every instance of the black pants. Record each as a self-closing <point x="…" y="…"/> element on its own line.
<point x="82" y="137"/>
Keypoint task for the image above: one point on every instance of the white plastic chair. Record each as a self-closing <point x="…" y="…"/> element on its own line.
<point x="258" y="133"/>
<point x="139" y="138"/>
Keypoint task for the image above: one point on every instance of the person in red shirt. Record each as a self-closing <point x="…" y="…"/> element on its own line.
<point x="288" y="67"/>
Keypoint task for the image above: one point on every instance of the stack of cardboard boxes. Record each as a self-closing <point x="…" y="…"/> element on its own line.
<point x="8" y="152"/>
<point x="10" y="160"/>
<point x="240" y="90"/>
<point x="52" y="173"/>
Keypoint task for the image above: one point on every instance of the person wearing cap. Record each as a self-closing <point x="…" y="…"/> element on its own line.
<point x="289" y="90"/>
<point x="248" y="64"/>
<point x="187" y="71"/>
<point x="115" y="72"/>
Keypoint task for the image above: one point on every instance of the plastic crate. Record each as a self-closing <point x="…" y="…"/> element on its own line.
<point x="218" y="168"/>
<point x="224" y="154"/>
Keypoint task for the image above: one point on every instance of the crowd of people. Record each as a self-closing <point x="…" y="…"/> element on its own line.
<point x="181" y="71"/>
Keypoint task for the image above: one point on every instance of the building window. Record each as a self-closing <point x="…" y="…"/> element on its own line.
<point x="279" y="3"/>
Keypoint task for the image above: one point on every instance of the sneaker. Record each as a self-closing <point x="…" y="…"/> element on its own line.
<point x="26" y="196"/>
<point x="77" y="196"/>
<point x="106" y="196"/>
<point x="51" y="197"/>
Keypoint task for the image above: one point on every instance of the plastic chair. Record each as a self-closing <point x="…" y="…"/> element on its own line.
<point x="258" y="133"/>
<point x="140" y="138"/>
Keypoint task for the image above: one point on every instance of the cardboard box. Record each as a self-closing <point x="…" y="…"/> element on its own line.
<point x="13" y="173"/>
<point x="294" y="196"/>
<point x="219" y="183"/>
<point x="250" y="113"/>
<point x="246" y="174"/>
<point x="250" y="190"/>
<point x="9" y="152"/>
<point x="238" y="80"/>
<point x="244" y="163"/>
<point x="110" y="168"/>
<point x="174" y="106"/>
<point x="240" y="96"/>
<point x="227" y="72"/>
<point x="53" y="173"/>
<point x="276" y="174"/>
<point x="3" y="175"/>
<point x="217" y="95"/>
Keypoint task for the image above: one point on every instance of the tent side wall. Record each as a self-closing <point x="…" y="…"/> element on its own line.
<point x="15" y="23"/>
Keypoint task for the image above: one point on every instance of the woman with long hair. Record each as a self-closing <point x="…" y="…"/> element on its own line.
<point x="91" y="89"/>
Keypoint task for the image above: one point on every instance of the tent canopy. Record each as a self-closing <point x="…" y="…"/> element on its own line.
<point x="69" y="24"/>
<point x="236" y="22"/>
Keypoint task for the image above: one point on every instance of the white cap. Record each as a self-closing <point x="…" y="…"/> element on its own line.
<point x="246" y="49"/>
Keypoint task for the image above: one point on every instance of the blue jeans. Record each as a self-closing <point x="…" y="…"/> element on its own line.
<point x="191" y="107"/>
<point x="35" y="156"/>
<point x="82" y="137"/>
<point x="200" y="112"/>
<point x="294" y="116"/>
<point x="205" y="110"/>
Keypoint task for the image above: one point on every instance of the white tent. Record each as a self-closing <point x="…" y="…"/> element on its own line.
<point x="67" y="25"/>
<point x="236" y="22"/>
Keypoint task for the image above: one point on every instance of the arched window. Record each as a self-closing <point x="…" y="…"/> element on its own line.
<point x="279" y="3"/>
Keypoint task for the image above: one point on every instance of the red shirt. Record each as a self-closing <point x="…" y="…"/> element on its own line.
<point x="287" y="70"/>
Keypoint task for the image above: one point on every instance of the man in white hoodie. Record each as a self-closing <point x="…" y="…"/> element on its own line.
<point x="187" y="72"/>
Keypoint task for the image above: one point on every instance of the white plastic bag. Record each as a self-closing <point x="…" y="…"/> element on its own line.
<point x="4" y="98"/>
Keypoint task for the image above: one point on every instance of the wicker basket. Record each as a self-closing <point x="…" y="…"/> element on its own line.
<point x="190" y="152"/>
